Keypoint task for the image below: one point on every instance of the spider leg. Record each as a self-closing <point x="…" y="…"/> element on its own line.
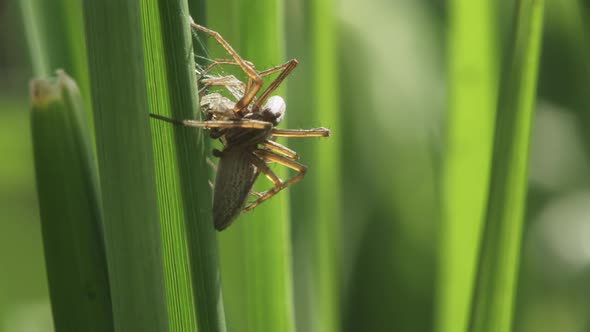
<point x="255" y="193"/>
<point x="298" y="133"/>
<point x="226" y="81"/>
<point x="222" y="81"/>
<point x="276" y="147"/>
<point x="269" y="156"/>
<point x="251" y="124"/>
<point x="285" y="70"/>
<point x="212" y="165"/>
<point x="273" y="157"/>
<point x="277" y="69"/>
<point x="249" y="70"/>
<point x="262" y="167"/>
<point x="218" y="62"/>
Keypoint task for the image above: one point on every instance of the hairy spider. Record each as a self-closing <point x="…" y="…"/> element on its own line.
<point x="247" y="130"/>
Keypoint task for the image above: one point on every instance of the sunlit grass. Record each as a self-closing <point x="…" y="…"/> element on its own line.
<point x="495" y="292"/>
<point x="411" y="128"/>
<point x="184" y="197"/>
<point x="126" y="165"/>
<point x="473" y="70"/>
<point x="313" y="101"/>
<point x="255" y="249"/>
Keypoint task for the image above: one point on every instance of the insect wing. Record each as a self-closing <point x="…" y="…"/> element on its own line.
<point x="234" y="179"/>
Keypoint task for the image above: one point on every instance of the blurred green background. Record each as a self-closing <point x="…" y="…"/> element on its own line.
<point x="394" y="87"/>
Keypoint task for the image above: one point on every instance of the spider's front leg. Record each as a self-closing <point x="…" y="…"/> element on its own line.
<point x="252" y="88"/>
<point x="218" y="62"/>
<point x="301" y="133"/>
<point x="250" y="124"/>
<point x="285" y="70"/>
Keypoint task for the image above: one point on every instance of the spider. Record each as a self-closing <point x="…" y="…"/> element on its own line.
<point x="247" y="131"/>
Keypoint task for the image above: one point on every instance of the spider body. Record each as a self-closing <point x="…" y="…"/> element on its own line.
<point x="236" y="172"/>
<point x="247" y="132"/>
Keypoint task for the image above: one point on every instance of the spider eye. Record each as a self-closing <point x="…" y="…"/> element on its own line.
<point x="275" y="106"/>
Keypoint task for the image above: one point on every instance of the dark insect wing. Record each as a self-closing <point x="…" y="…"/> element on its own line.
<point x="233" y="182"/>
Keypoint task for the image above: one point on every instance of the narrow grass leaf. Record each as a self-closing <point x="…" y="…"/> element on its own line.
<point x="495" y="290"/>
<point x="71" y="218"/>
<point x="472" y="64"/>
<point x="125" y="158"/>
<point x="325" y="228"/>
<point x="256" y="249"/>
<point x="313" y="102"/>
<point x="184" y="197"/>
<point x="55" y="35"/>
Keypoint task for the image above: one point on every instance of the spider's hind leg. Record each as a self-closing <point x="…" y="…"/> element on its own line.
<point x="268" y="156"/>
<point x="262" y="167"/>
<point x="301" y="169"/>
<point x="283" y="150"/>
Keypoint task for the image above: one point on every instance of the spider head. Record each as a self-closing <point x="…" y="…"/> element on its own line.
<point x="274" y="110"/>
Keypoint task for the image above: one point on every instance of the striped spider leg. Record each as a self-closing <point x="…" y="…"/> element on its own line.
<point x="275" y="152"/>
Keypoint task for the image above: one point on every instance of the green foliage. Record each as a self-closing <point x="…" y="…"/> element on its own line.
<point x="126" y="165"/>
<point x="157" y="204"/>
<point x="256" y="250"/>
<point x="495" y="290"/>
<point x="383" y="232"/>
<point x="312" y="100"/>
<point x="71" y="217"/>
<point x="55" y="34"/>
<point x="473" y="70"/>
<point x="390" y="105"/>
<point x="184" y="197"/>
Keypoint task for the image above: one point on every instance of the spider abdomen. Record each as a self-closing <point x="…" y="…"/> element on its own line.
<point x="235" y="177"/>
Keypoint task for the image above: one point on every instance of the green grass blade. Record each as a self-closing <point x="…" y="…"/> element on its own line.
<point x="391" y="102"/>
<point x="495" y="290"/>
<point x="35" y="38"/>
<point x="55" y="32"/>
<point x="71" y="217"/>
<point x="313" y="102"/>
<point x="325" y="228"/>
<point x="198" y="10"/>
<point x="181" y="172"/>
<point x="55" y="35"/>
<point x="472" y="101"/>
<point x="255" y="250"/>
<point x="125" y="159"/>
